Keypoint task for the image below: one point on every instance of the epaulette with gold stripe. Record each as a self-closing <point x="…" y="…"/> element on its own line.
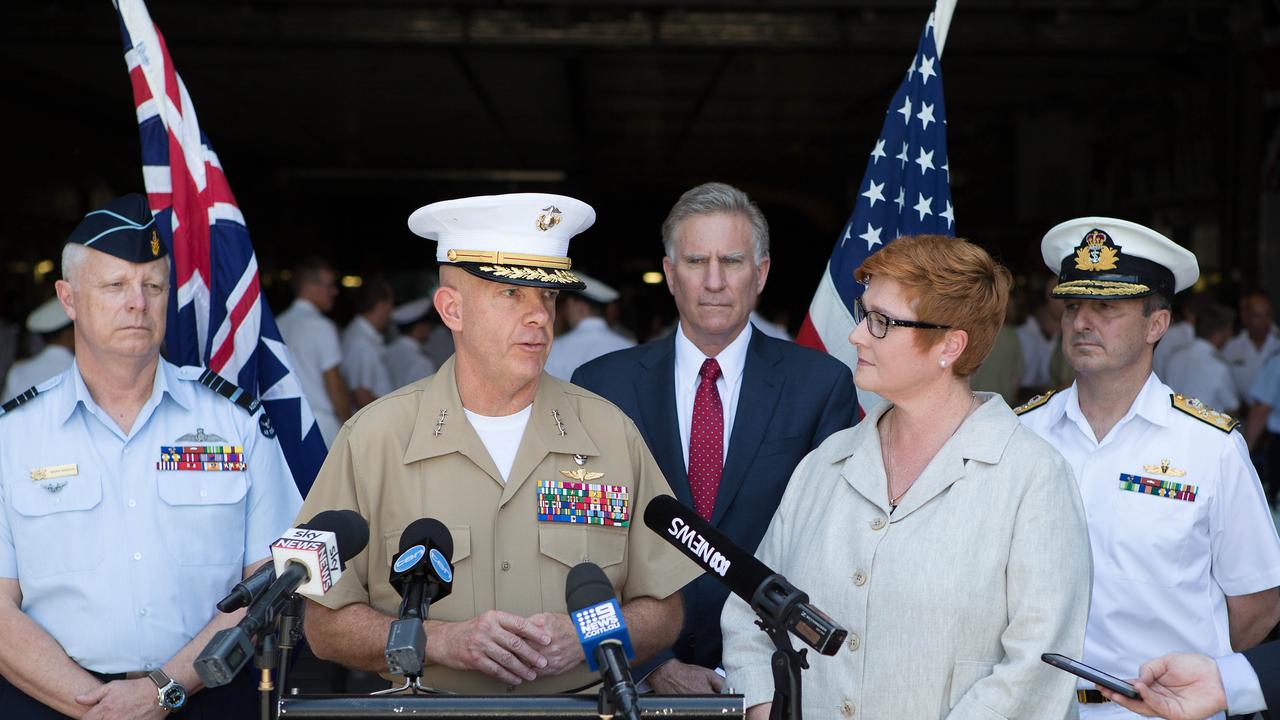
<point x="1204" y="413"/>
<point x="1034" y="403"/>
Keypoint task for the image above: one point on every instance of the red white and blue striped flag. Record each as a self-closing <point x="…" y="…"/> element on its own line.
<point x="905" y="191"/>
<point x="217" y="317"/>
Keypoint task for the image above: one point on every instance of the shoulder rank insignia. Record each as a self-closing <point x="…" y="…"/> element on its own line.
<point x="228" y="390"/>
<point x="1203" y="413"/>
<point x="12" y="404"/>
<point x="1034" y="403"/>
<point x="29" y="394"/>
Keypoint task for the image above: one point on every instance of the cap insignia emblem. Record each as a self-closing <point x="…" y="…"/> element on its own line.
<point x="1097" y="252"/>
<point x="549" y="218"/>
<point x="155" y="244"/>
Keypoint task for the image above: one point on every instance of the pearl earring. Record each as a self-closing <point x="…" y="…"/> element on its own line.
<point x="942" y="363"/>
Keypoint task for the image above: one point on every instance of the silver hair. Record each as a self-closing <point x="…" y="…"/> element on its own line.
<point x="74" y="256"/>
<point x="709" y="199"/>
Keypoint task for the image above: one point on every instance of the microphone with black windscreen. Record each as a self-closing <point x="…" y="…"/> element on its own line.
<point x="308" y="560"/>
<point x="770" y="594"/>
<point x="596" y="615"/>
<point x="422" y="574"/>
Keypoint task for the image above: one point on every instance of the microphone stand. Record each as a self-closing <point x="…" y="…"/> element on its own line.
<point x="290" y="636"/>
<point x="773" y="601"/>
<point x="266" y="656"/>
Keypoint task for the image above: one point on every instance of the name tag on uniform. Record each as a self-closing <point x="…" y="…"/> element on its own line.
<point x="54" y="471"/>
<point x="584" y="503"/>
<point x="1159" y="488"/>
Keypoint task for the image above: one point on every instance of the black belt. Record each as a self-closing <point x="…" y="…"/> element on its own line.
<point x="1090" y="696"/>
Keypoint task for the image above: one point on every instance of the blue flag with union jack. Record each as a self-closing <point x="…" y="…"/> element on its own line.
<point x="905" y="191"/>
<point x="217" y="317"/>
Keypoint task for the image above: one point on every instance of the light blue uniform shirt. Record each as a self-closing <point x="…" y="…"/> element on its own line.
<point x="1266" y="390"/>
<point x="119" y="561"/>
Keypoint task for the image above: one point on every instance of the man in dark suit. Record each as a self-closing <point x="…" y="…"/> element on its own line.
<point x="727" y="411"/>
<point x="1191" y="686"/>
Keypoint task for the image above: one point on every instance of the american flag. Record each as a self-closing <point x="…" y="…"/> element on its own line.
<point x="217" y="317"/>
<point x="905" y="191"/>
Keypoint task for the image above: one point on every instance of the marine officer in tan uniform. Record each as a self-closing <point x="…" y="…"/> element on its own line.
<point x="530" y="474"/>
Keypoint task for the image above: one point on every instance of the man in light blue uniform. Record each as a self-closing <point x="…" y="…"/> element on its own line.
<point x="133" y="495"/>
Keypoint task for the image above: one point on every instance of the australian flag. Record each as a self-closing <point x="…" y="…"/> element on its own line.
<point x="217" y="318"/>
<point x="905" y="191"/>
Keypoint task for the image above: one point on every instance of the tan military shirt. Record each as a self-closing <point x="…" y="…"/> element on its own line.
<point x="412" y="454"/>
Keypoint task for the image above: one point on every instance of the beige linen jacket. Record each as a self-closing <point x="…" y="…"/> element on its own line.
<point x="949" y="601"/>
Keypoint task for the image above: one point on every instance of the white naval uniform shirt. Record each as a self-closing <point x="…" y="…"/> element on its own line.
<point x="1246" y="359"/>
<point x="1162" y="567"/>
<point x="314" y="350"/>
<point x="407" y="362"/>
<point x="364" y="358"/>
<point x="1178" y="336"/>
<point x="50" y="361"/>
<point x="121" y="561"/>
<point x="1198" y="371"/>
<point x="591" y="338"/>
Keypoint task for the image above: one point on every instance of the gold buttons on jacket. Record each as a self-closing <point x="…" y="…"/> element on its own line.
<point x="859" y="578"/>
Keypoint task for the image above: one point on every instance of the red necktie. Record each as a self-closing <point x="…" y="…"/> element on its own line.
<point x="706" y="441"/>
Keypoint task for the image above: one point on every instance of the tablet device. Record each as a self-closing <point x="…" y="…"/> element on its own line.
<point x="1093" y="675"/>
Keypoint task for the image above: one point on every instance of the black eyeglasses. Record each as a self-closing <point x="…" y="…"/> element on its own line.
<point x="878" y="323"/>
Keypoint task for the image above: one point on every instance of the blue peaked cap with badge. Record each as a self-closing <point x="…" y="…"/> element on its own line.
<point x="124" y="228"/>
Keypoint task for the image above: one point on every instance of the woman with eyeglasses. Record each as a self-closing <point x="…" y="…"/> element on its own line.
<point x="949" y="540"/>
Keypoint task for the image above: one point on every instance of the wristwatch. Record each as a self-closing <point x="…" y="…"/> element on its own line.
<point x="169" y="694"/>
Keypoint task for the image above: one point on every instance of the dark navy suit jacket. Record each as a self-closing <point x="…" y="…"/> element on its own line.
<point x="791" y="399"/>
<point x="1265" y="660"/>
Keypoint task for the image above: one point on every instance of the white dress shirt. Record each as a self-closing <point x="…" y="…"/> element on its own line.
<point x="1178" y="336"/>
<point x="364" y="358"/>
<point x="50" y="361"/>
<point x="1037" y="350"/>
<point x="732" y="360"/>
<point x="407" y="362"/>
<point x="1245" y="359"/>
<point x="1241" y="686"/>
<point x="1198" y="371"/>
<point x="1163" y="567"/>
<point x="314" y="349"/>
<point x="590" y="339"/>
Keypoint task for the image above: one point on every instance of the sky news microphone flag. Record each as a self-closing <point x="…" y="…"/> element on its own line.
<point x="217" y="317"/>
<point x="905" y="191"/>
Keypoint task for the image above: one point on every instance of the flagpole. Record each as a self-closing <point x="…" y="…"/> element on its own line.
<point x="942" y="13"/>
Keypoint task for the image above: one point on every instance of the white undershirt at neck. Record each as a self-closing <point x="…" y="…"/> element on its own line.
<point x="501" y="436"/>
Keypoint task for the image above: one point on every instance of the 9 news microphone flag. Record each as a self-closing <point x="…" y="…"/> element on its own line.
<point x="905" y="191"/>
<point x="217" y="318"/>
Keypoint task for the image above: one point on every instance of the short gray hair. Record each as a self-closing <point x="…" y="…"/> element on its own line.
<point x="709" y="199"/>
<point x="74" y="256"/>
